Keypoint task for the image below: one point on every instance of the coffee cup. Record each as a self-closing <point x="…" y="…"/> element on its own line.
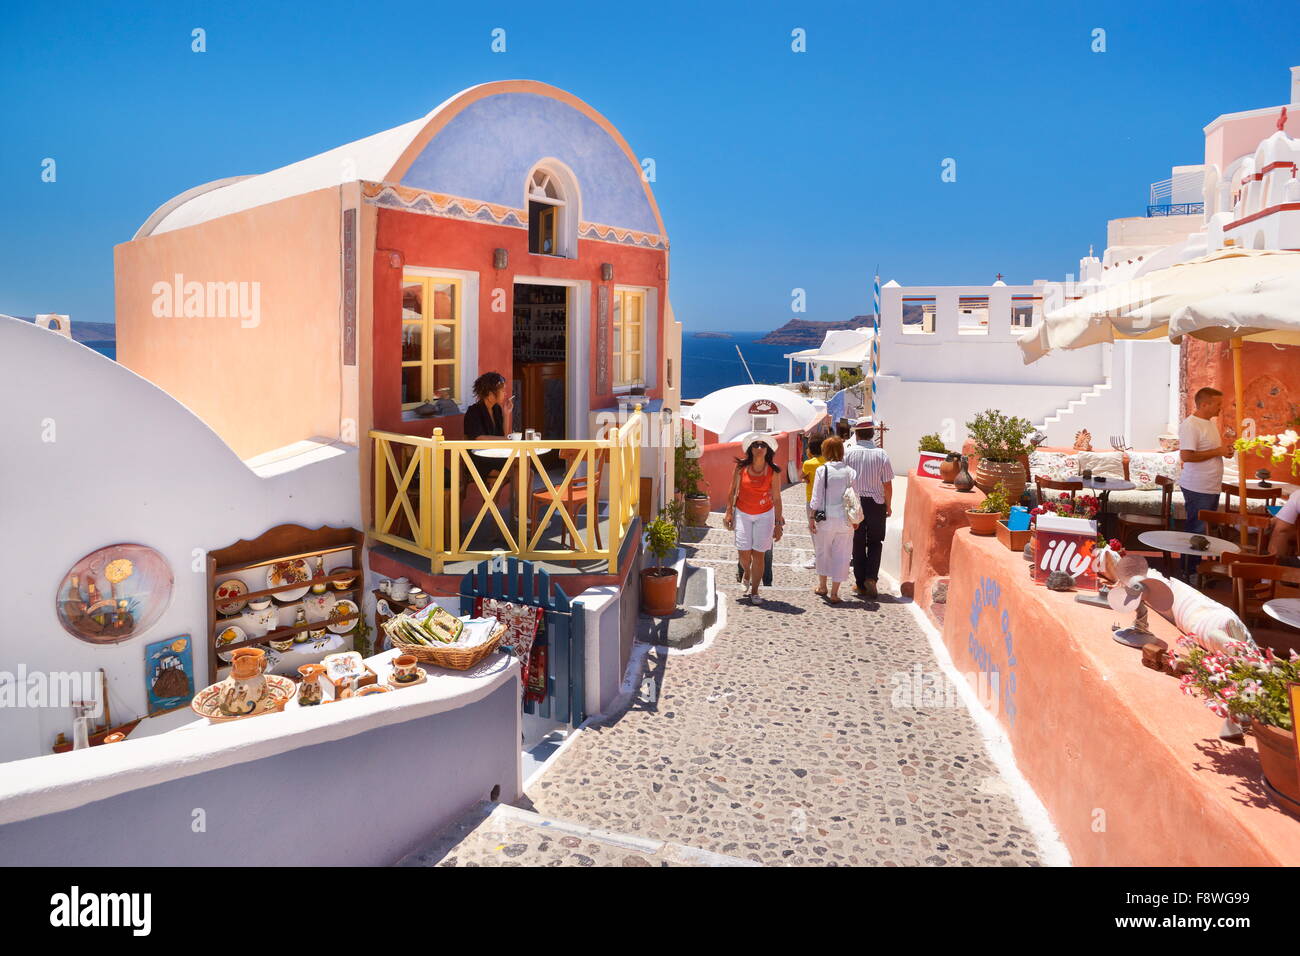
<point x="405" y="667"/>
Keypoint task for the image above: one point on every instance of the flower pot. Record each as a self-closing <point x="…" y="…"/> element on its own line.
<point x="1015" y="540"/>
<point x="950" y="468"/>
<point x="697" y="511"/>
<point x="1277" y="760"/>
<point x="659" y="591"/>
<point x="983" y="523"/>
<point x="1011" y="474"/>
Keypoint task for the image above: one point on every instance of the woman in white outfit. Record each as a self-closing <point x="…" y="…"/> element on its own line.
<point x="833" y="535"/>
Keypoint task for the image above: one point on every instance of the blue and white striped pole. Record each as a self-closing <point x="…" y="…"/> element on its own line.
<point x="875" y="343"/>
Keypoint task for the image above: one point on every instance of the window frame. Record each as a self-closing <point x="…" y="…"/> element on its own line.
<point x="620" y="351"/>
<point x="428" y="323"/>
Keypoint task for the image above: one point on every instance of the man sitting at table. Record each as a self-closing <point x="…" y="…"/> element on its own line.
<point x="1282" y="532"/>
<point x="1202" y="451"/>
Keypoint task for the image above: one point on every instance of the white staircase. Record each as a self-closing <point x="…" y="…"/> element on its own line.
<point x="1058" y="425"/>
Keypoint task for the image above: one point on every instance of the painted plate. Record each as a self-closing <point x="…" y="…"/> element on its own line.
<point x="289" y="572"/>
<point x="230" y="634"/>
<point x="207" y="702"/>
<point x="339" y="609"/>
<point x="230" y="596"/>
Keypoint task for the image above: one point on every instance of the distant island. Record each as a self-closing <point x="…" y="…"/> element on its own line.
<point x="807" y="334"/>
<point x="90" y="334"/>
<point x="711" y="335"/>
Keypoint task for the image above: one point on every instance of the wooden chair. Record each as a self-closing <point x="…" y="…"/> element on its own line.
<point x="1044" y="485"/>
<point x="583" y="491"/>
<point x="1227" y="525"/>
<point x="1255" y="583"/>
<point x="1269" y="496"/>
<point x="1127" y="523"/>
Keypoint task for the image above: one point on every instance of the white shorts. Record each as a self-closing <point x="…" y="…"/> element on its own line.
<point x="754" y="532"/>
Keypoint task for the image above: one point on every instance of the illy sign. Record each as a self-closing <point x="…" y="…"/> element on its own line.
<point x="1066" y="544"/>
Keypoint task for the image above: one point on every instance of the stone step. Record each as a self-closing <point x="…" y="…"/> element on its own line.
<point x="697" y="611"/>
<point x="497" y="834"/>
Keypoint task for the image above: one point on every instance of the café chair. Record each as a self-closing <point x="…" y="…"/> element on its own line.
<point x="1127" y="523"/>
<point x="1227" y="525"/>
<point x="1044" y="485"/>
<point x="1255" y="584"/>
<point x="1269" y="496"/>
<point x="583" y="491"/>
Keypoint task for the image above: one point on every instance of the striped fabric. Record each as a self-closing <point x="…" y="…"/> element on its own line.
<point x="873" y="468"/>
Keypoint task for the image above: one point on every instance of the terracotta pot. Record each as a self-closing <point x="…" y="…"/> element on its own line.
<point x="983" y="523"/>
<point x="949" y="468"/>
<point x="659" y="591"/>
<point x="1015" y="540"/>
<point x="1010" y="473"/>
<point x="697" y="511"/>
<point x="1277" y="760"/>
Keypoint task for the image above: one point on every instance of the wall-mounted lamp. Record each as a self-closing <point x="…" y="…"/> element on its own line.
<point x="607" y="271"/>
<point x="500" y="258"/>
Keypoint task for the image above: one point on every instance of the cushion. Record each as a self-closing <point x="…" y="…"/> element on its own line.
<point x="1145" y="466"/>
<point x="1108" y="463"/>
<point x="1210" y="624"/>
<point x="1053" y="465"/>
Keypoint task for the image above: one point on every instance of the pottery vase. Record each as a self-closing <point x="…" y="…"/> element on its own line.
<point x="246" y="684"/>
<point x="963" y="480"/>
<point x="949" y="468"/>
<point x="309" y="689"/>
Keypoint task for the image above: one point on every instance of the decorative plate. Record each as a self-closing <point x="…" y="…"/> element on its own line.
<point x="114" y="594"/>
<point x="207" y="702"/>
<point x="339" y="609"/>
<point x="289" y="572"/>
<point x="230" y="634"/>
<point x="230" y="596"/>
<point x="372" y="689"/>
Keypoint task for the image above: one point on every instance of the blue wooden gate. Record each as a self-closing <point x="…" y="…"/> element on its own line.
<point x="563" y="628"/>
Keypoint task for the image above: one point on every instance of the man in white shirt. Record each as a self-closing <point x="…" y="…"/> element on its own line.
<point x="1282" y="535"/>
<point x="1202" y="450"/>
<point x="874" y="487"/>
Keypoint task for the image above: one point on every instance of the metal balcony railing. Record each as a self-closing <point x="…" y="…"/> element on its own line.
<point x="1176" y="209"/>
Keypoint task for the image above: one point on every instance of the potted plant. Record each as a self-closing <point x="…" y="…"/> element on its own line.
<point x="687" y="477"/>
<point x="659" y="583"/>
<point x="936" y="459"/>
<point x="1002" y="446"/>
<point x="984" y="517"/>
<point x="1247" y="684"/>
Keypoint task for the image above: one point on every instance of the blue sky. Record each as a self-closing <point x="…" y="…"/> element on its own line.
<point x="775" y="170"/>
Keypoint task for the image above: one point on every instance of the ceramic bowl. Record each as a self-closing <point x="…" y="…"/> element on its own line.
<point x="260" y="604"/>
<point x="345" y="583"/>
<point x="372" y="689"/>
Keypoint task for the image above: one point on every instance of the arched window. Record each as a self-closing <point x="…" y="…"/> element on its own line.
<point x="552" y="211"/>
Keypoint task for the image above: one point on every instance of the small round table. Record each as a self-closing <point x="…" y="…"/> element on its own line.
<point x="504" y="453"/>
<point x="1105" y="486"/>
<point x="1180" y="542"/>
<point x="1285" y="610"/>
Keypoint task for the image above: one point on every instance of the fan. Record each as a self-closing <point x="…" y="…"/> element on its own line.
<point x="1134" y="593"/>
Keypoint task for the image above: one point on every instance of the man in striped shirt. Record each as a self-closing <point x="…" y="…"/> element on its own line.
<point x="874" y="485"/>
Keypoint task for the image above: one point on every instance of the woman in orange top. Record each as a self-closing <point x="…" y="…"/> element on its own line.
<point x="754" y="507"/>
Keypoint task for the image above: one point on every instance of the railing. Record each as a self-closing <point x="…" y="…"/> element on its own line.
<point x="1176" y="209"/>
<point x="418" y="493"/>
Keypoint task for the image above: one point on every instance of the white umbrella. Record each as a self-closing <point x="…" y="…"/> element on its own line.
<point x="727" y="414"/>
<point x="1142" y="308"/>
<point x="1265" y="311"/>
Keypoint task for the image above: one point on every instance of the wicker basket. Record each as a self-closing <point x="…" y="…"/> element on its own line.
<point x="451" y="657"/>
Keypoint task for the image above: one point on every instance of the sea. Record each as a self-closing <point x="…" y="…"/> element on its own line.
<point x="709" y="364"/>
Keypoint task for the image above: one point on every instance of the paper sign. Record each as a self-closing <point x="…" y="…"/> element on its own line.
<point x="1066" y="551"/>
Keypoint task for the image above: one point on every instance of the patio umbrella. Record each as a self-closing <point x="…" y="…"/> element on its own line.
<point x="1141" y="308"/>
<point x="726" y="412"/>
<point x="1266" y="311"/>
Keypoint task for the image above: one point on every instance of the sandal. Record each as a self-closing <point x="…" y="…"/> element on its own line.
<point x="819" y="593"/>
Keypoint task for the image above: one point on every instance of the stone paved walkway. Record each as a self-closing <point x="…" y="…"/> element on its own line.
<point x="779" y="743"/>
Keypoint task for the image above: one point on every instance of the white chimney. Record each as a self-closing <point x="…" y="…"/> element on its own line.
<point x="1295" y="85"/>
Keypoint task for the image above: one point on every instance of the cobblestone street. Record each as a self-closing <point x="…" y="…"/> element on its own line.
<point x="777" y="744"/>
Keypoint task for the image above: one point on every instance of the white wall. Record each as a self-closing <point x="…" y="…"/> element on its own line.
<point x="127" y="463"/>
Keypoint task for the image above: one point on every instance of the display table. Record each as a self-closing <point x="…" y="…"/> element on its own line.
<point x="356" y="782"/>
<point x="1131" y="770"/>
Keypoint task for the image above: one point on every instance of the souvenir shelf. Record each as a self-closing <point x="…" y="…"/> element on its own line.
<point x="338" y="551"/>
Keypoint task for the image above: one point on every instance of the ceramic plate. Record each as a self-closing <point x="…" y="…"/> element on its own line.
<point x="230" y="596"/>
<point x="280" y="691"/>
<point x="340" y="608"/>
<point x="230" y="634"/>
<point x="289" y="572"/>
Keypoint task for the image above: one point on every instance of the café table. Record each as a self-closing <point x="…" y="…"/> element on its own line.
<point x="1105" y="486"/>
<point x="1180" y="542"/>
<point x="1285" y="610"/>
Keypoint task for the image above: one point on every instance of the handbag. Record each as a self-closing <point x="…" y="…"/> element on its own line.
<point x="852" y="505"/>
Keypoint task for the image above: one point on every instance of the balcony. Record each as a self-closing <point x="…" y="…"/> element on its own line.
<point x="1176" y="209"/>
<point x="421" y="485"/>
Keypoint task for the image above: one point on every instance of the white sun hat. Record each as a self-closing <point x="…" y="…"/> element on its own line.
<point x="767" y="438"/>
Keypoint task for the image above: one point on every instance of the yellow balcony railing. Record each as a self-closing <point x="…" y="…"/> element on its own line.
<point x="419" y="486"/>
